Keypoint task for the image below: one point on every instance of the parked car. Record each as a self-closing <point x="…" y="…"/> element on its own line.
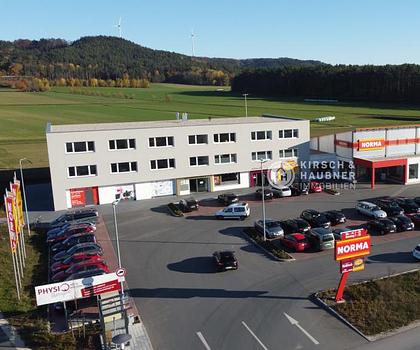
<point x="234" y="211"/>
<point x="390" y="207"/>
<point x="295" y="226"/>
<point x="273" y="228"/>
<point x="381" y="226"/>
<point x="77" y="230"/>
<point x="78" y="248"/>
<point x="415" y="218"/>
<point x="417" y="200"/>
<point x="74" y="259"/>
<point x="79" y="267"/>
<point x="85" y="274"/>
<point x="335" y="216"/>
<point x="370" y="209"/>
<point x="315" y="187"/>
<point x="73" y="240"/>
<point x="416" y="252"/>
<point x="227" y="198"/>
<point x="296" y="242"/>
<point x="320" y="238"/>
<point x="225" y="260"/>
<point x="74" y="216"/>
<point x="188" y="205"/>
<point x="281" y="192"/>
<point x="402" y="222"/>
<point x="315" y="218"/>
<point x="51" y="234"/>
<point x="299" y="188"/>
<point x="268" y="194"/>
<point x="409" y="205"/>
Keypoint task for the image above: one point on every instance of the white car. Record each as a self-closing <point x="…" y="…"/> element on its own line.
<point x="234" y="211"/>
<point x="416" y="252"/>
<point x="282" y="192"/>
<point x="370" y="209"/>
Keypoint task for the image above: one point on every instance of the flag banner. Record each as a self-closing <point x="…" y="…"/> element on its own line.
<point x="19" y="202"/>
<point x="14" y="190"/>
<point x="8" y="203"/>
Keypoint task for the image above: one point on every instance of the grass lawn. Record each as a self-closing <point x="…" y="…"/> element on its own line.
<point x="381" y="305"/>
<point x="23" y="116"/>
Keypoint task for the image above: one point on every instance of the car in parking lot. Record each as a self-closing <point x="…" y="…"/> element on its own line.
<point x="225" y="260"/>
<point x="402" y="222"/>
<point x="390" y="207"/>
<point x="71" y="231"/>
<point x="188" y="205"/>
<point x="381" y="226"/>
<point x="299" y="188"/>
<point x="315" y="187"/>
<point x="315" y="218"/>
<point x="80" y="267"/>
<point x="416" y="252"/>
<point x="281" y="191"/>
<point x="78" y="248"/>
<point x="415" y="218"/>
<point x="268" y="194"/>
<point x="370" y="209"/>
<point x="335" y="216"/>
<point x="296" y="242"/>
<point x="320" y="238"/>
<point x="227" y="198"/>
<point x="74" y="259"/>
<point x="234" y="211"/>
<point x="295" y="226"/>
<point x="85" y="274"/>
<point x="273" y="228"/>
<point x="417" y="200"/>
<point x="409" y="205"/>
<point x="73" y="240"/>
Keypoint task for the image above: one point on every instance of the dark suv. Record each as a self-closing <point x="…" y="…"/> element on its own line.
<point x="315" y="218"/>
<point x="390" y="207"/>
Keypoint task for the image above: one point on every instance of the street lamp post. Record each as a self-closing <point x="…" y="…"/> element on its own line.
<point x="24" y="193"/>
<point x="246" y="105"/>
<point x="114" y="205"/>
<point x="262" y="161"/>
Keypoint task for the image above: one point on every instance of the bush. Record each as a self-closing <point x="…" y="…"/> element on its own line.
<point x="267" y="245"/>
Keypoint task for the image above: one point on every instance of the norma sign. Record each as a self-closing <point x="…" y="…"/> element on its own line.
<point x="352" y="265"/>
<point x="77" y="289"/>
<point x="352" y="248"/>
<point x="371" y="144"/>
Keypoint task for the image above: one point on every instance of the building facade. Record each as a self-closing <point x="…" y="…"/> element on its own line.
<point x="99" y="163"/>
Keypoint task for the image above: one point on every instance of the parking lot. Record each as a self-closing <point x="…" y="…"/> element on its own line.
<point x="183" y="301"/>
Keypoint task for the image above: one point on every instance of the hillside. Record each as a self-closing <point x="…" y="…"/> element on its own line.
<point x="105" y="57"/>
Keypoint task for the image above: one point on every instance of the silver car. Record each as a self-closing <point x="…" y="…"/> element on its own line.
<point x="370" y="209"/>
<point x="273" y="228"/>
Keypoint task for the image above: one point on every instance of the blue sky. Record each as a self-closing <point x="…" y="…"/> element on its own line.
<point x="333" y="31"/>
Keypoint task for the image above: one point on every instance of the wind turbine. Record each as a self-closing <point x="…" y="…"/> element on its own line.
<point x="119" y="27"/>
<point x="192" y="43"/>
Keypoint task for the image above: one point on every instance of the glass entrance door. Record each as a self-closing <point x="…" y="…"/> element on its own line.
<point x="199" y="185"/>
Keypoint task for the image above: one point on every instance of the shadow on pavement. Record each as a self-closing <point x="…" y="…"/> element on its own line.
<point x="200" y="264"/>
<point x="201" y="217"/>
<point x="162" y="209"/>
<point x="399" y="257"/>
<point x="352" y="214"/>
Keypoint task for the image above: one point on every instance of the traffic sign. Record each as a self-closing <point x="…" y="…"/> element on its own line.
<point x="120" y="272"/>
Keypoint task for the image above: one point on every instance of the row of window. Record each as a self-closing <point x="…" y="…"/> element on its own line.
<point x="168" y="141"/>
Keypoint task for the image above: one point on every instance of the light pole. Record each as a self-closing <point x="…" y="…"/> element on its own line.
<point x="262" y="161"/>
<point x="114" y="205"/>
<point x="246" y="105"/>
<point x="24" y="192"/>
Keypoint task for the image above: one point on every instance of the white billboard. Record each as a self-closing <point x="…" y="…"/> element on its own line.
<point x="77" y="289"/>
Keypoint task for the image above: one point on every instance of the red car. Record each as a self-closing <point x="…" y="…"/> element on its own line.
<point x="296" y="242"/>
<point x="74" y="259"/>
<point x="70" y="232"/>
<point x="315" y="187"/>
<point x="80" y="267"/>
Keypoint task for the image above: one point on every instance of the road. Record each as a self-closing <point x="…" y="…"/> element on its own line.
<point x="186" y="305"/>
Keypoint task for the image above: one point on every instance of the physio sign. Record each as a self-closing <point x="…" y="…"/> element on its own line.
<point x="352" y="248"/>
<point x="371" y="144"/>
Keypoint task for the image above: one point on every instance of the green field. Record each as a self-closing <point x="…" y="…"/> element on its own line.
<point x="23" y="116"/>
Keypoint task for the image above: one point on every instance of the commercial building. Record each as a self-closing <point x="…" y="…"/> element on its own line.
<point x="390" y="154"/>
<point x="98" y="163"/>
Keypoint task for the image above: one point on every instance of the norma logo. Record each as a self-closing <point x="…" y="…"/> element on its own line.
<point x="120" y="272"/>
<point x="352" y="248"/>
<point x="371" y="144"/>
<point x="53" y="289"/>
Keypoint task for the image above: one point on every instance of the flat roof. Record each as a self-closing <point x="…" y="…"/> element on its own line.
<point x="265" y="118"/>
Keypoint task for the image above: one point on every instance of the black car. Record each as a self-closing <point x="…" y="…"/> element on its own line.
<point x="390" y="207"/>
<point x="83" y="215"/>
<point x="268" y="194"/>
<point x="300" y="188"/>
<point x="402" y="222"/>
<point x="227" y="198"/>
<point x="335" y="216"/>
<point x="188" y="205"/>
<point x="225" y="260"/>
<point x="78" y="248"/>
<point x="73" y="240"/>
<point x="295" y="226"/>
<point x="381" y="226"/>
<point x="315" y="218"/>
<point x="409" y="205"/>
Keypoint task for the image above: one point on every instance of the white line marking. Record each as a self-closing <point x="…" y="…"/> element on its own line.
<point x="296" y="323"/>
<point x="203" y="340"/>
<point x="253" y="334"/>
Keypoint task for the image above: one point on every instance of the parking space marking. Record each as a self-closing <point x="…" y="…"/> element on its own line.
<point x="253" y="334"/>
<point x="203" y="340"/>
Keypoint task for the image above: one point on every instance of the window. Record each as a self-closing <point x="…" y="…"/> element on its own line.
<point x="164" y="141"/>
<point x="197" y="139"/>
<point x="224" y="137"/>
<point x="162" y="164"/>
<point x="122" y="144"/>
<point x="261" y="135"/>
<point x="261" y="155"/>
<point x="225" y="158"/>
<point x="413" y="171"/>
<point x="199" y="161"/>
<point x="82" y="170"/>
<point x="123" y="167"/>
<point x="288" y="133"/>
<point x="80" y="146"/>
<point x="288" y="153"/>
<point x="229" y="178"/>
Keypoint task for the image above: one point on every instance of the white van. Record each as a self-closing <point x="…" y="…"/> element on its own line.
<point x="234" y="211"/>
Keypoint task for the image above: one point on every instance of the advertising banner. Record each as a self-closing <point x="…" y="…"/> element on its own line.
<point x="371" y="144"/>
<point x="77" y="289"/>
<point x="77" y="197"/>
<point x="352" y="265"/>
<point x="19" y="203"/>
<point x="353" y="233"/>
<point x="8" y="203"/>
<point x="352" y="248"/>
